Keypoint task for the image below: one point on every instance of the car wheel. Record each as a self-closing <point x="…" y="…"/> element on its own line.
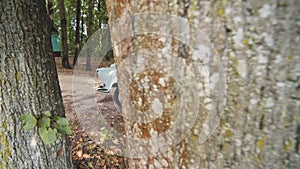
<point x="116" y="99"/>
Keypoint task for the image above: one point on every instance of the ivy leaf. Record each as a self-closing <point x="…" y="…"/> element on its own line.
<point x="62" y="125"/>
<point x="29" y="121"/>
<point x="65" y="130"/>
<point x="103" y="135"/>
<point x="48" y="135"/>
<point x="47" y="113"/>
<point x="90" y="164"/>
<point x="44" y="122"/>
<point x="61" y="121"/>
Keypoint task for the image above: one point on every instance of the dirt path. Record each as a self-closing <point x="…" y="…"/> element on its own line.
<point x="65" y="82"/>
<point x="80" y="95"/>
<point x="95" y="113"/>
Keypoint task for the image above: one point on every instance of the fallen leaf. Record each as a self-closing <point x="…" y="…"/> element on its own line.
<point x="79" y="153"/>
<point x="81" y="140"/>
<point x="59" y="153"/>
<point x="86" y="156"/>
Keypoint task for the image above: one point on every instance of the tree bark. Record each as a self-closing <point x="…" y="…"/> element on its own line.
<point x="29" y="84"/>
<point x="89" y="32"/>
<point x="82" y="26"/>
<point x="103" y="20"/>
<point x="64" y="35"/>
<point x="50" y="11"/>
<point x="258" y="46"/>
<point x="99" y="7"/>
<point x="77" y="33"/>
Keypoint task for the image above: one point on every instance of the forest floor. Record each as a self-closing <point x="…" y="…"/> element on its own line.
<point x="86" y="151"/>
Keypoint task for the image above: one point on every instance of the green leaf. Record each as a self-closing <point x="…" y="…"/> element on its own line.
<point x="47" y="113"/>
<point x="65" y="130"/>
<point x="90" y="164"/>
<point x="103" y="135"/>
<point x="104" y="132"/>
<point x="44" y="122"/>
<point x="102" y="139"/>
<point x="48" y="135"/>
<point x="29" y="122"/>
<point x="61" y="121"/>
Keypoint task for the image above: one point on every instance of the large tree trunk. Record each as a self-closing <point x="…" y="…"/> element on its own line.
<point x="77" y="33"/>
<point x="162" y="59"/>
<point x="28" y="84"/>
<point x="64" y="36"/>
<point x="89" y="32"/>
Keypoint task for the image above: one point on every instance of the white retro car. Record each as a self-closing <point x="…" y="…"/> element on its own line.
<point x="108" y="77"/>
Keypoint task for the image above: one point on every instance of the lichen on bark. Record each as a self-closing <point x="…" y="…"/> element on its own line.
<point x="257" y="44"/>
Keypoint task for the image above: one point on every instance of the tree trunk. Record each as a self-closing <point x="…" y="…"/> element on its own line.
<point x="82" y="26"/>
<point x="109" y="54"/>
<point x="64" y="36"/>
<point x="89" y="32"/>
<point x="106" y="41"/>
<point x="77" y="33"/>
<point x="99" y="7"/>
<point x="50" y="12"/>
<point x="29" y="84"/>
<point x="179" y="61"/>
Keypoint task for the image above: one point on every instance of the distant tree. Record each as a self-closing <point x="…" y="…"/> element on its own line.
<point x="64" y="35"/>
<point x="102" y="17"/>
<point x="89" y="31"/>
<point x="28" y="85"/>
<point x="100" y="9"/>
<point x="82" y="25"/>
<point x="77" y="33"/>
<point x="50" y="12"/>
<point x="103" y="21"/>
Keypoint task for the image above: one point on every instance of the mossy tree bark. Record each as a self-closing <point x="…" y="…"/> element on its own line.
<point x="258" y="43"/>
<point x="29" y="84"/>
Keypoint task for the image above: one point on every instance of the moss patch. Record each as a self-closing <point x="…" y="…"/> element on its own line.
<point x="5" y="150"/>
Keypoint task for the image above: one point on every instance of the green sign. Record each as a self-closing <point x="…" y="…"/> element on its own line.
<point x="55" y="43"/>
